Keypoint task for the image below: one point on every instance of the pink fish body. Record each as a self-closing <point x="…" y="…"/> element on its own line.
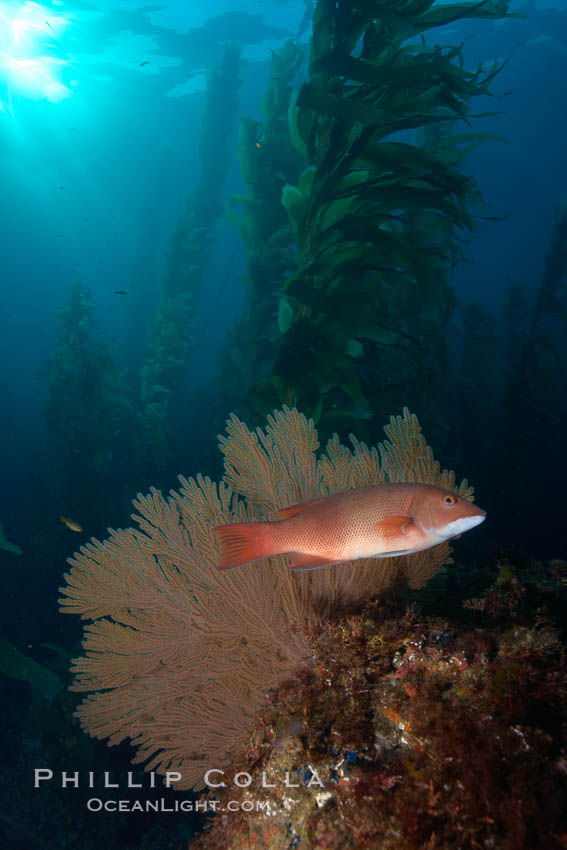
<point x="376" y="521"/>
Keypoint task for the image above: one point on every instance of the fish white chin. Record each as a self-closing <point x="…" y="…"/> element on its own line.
<point x="459" y="526"/>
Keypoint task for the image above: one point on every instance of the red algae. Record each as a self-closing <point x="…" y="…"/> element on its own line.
<point x="423" y="732"/>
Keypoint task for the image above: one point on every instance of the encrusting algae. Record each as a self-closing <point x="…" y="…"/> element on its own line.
<point x="424" y="732"/>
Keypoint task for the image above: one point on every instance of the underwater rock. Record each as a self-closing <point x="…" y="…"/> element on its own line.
<point x="427" y="733"/>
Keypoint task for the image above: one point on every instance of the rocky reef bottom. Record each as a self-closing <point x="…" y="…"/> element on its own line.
<point x="436" y="723"/>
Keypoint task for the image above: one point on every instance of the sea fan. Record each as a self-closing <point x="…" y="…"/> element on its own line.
<point x="179" y="656"/>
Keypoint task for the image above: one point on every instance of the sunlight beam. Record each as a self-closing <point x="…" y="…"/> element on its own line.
<point x="27" y="32"/>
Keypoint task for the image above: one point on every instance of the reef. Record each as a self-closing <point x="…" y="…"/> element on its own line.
<point x="180" y="656"/>
<point x="425" y="731"/>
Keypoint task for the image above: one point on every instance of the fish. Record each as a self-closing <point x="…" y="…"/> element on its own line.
<point x="70" y="523"/>
<point x="374" y="521"/>
<point x="145" y="62"/>
<point x="120" y="292"/>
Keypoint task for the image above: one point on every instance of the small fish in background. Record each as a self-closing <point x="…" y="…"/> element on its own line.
<point x="120" y="292"/>
<point x="376" y="521"/>
<point x="70" y="523"/>
<point x="145" y="62"/>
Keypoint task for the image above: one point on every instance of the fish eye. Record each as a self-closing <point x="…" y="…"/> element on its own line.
<point x="449" y="500"/>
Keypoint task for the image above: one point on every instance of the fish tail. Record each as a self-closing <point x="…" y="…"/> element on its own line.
<point x="241" y="543"/>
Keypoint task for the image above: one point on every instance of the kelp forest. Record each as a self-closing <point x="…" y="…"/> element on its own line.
<point x="420" y="703"/>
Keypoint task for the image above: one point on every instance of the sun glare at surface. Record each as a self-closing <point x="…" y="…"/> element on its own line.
<point x="28" y="68"/>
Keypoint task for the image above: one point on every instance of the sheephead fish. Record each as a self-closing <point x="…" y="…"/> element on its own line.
<point x="376" y="521"/>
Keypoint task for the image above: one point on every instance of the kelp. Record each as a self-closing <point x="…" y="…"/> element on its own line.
<point x="535" y="408"/>
<point x="6" y="545"/>
<point x="534" y="328"/>
<point x="17" y="665"/>
<point x="378" y="217"/>
<point x="549" y="314"/>
<point x="172" y="336"/>
<point x="268" y="161"/>
<point x="511" y="376"/>
<point x="89" y="416"/>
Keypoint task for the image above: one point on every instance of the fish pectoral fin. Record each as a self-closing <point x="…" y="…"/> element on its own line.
<point x="393" y="526"/>
<point x="293" y="510"/>
<point x="308" y="562"/>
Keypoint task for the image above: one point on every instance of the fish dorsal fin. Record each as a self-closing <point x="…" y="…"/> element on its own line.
<point x="393" y="526"/>
<point x="293" y="510"/>
<point x="308" y="562"/>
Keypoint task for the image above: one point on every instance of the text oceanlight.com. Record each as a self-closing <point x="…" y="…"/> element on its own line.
<point x="95" y="804"/>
